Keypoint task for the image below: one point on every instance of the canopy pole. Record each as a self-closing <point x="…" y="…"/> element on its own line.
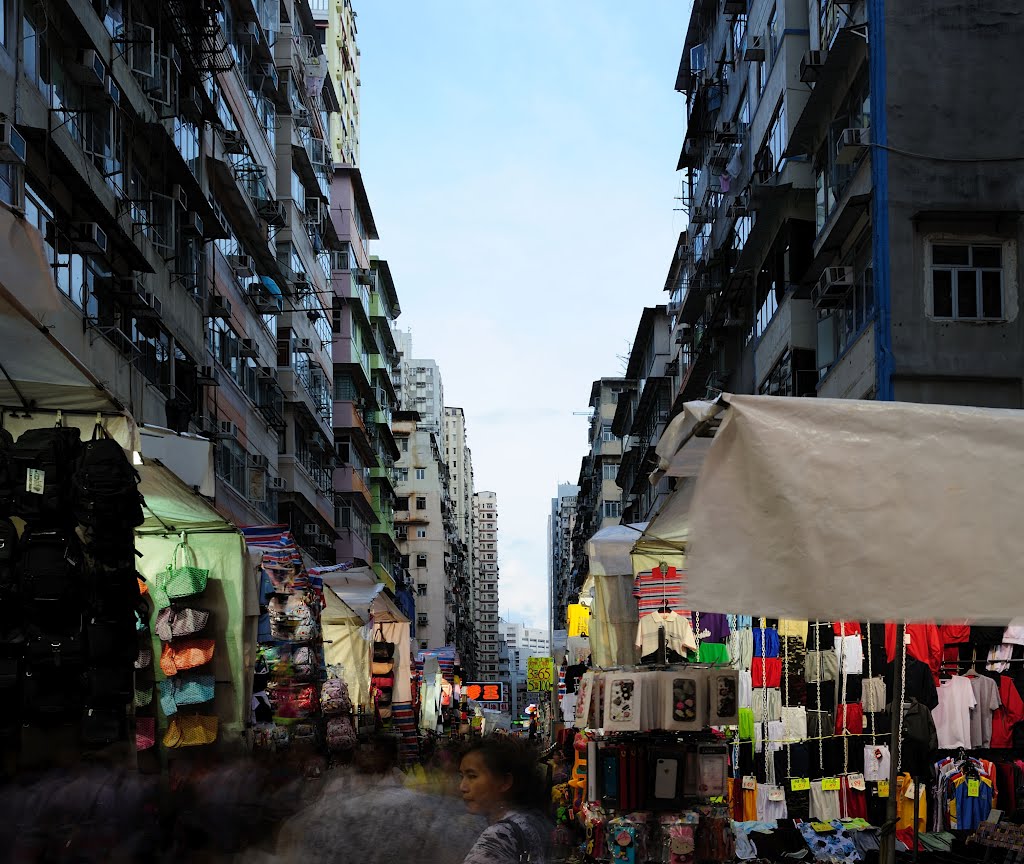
<point x="887" y="853"/>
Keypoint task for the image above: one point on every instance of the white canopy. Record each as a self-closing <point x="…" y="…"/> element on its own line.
<point x="608" y="550"/>
<point x="807" y="508"/>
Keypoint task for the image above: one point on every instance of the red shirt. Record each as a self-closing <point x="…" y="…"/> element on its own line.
<point x="846" y="628"/>
<point x="925" y="645"/>
<point x="955" y="632"/>
<point x="1006" y="717"/>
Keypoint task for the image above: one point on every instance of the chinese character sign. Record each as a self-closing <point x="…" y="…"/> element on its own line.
<point x="491" y="691"/>
<point x="540" y="673"/>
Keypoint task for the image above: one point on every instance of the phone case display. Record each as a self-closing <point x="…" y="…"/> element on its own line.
<point x="724" y="687"/>
<point x="684" y="699"/>
<point x="622" y="702"/>
<point x="584" y="702"/>
<point x="668" y="768"/>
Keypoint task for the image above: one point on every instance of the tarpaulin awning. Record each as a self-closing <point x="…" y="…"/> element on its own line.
<point x="172" y="507"/>
<point x="608" y="550"/>
<point x="189" y="456"/>
<point x="36" y="368"/>
<point x="810" y="508"/>
<point x="366" y="597"/>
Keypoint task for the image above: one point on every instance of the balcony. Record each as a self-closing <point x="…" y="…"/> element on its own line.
<point x="793" y="325"/>
<point x="306" y="481"/>
<point x="348" y="478"/>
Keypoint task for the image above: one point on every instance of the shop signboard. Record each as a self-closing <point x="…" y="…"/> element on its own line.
<point x="540" y="673"/>
<point x="485" y="692"/>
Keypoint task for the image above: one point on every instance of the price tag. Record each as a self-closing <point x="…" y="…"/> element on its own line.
<point x="35" y="481"/>
<point x="973" y="788"/>
<point x="914" y="790"/>
<point x="883" y="788"/>
<point x="830" y="784"/>
<point x="749" y="783"/>
<point x="800" y="784"/>
<point x="857" y="782"/>
<point x="776" y="793"/>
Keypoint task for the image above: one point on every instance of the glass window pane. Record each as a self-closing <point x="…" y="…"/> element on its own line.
<point x="942" y="290"/>
<point x="967" y="294"/>
<point x="951" y="255"/>
<point x="987" y="256"/>
<point x="992" y="294"/>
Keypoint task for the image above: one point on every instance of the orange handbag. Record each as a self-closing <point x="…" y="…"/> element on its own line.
<point x="185" y="654"/>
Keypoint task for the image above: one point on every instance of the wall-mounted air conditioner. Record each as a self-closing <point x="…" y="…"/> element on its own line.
<point x="304" y="346"/>
<point x="851" y="145"/>
<point x="90" y="238"/>
<point x="219" y="307"/>
<point x="832" y="287"/>
<point x="12" y="144"/>
<point x="810" y="66"/>
<point x="89" y="71"/>
<point x="257" y="460"/>
<point x="248" y="348"/>
<point x="278" y="484"/>
<point x="207" y="375"/>
<point x="241" y="265"/>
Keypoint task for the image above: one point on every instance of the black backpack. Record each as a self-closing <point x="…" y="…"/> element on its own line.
<point x="105" y="493"/>
<point x="43" y="461"/>
<point x="6" y="474"/>
<point x="51" y="584"/>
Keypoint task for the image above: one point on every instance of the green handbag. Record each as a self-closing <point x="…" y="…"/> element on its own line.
<point x="180" y="580"/>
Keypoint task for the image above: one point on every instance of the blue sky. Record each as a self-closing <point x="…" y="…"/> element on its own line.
<point x="520" y="162"/>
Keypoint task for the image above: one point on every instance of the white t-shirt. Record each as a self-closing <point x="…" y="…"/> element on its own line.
<point x="1014" y="634"/>
<point x="953" y="715"/>
<point x="678" y="633"/>
<point x="850" y="653"/>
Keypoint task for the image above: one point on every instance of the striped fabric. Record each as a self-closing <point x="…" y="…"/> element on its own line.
<point x="655" y="590"/>
<point x="561" y="683"/>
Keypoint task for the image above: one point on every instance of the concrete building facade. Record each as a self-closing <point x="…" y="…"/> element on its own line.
<point x="460" y="471"/>
<point x="853" y="229"/>
<point x="172" y="156"/>
<point x="561" y="524"/>
<point x="336" y="20"/>
<point x="485" y="588"/>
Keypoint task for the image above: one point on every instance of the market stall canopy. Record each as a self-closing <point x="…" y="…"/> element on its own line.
<point x="172" y="507"/>
<point x="360" y="591"/>
<point x="684" y="444"/>
<point x="665" y="537"/>
<point x="608" y="550"/>
<point x="36" y="368"/>
<point x="189" y="456"/>
<point x="809" y="508"/>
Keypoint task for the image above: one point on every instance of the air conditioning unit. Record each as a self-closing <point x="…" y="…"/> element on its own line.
<point x="90" y="238"/>
<point x="323" y="540"/>
<point x="113" y="92"/>
<point x="12" y="144"/>
<point x="739" y="207"/>
<point x="313" y="210"/>
<point x="190" y="102"/>
<point x="226" y="429"/>
<point x="278" y="484"/>
<point x="257" y="460"/>
<point x="301" y="117"/>
<point x="248" y="348"/>
<point x="90" y="71"/>
<point x="735" y="7"/>
<point x="726" y="133"/>
<point x="234" y="142"/>
<point x="265" y="302"/>
<point x="311" y="529"/>
<point x="810" y="66"/>
<point x="192" y="225"/>
<point x="851" y="145"/>
<point x="304" y="346"/>
<point x="242" y="265"/>
<point x="208" y="376"/>
<point x="219" y="307"/>
<point x="267" y="373"/>
<point x="180" y="196"/>
<point x="364" y="276"/>
<point x="832" y="287"/>
<point x="147" y="305"/>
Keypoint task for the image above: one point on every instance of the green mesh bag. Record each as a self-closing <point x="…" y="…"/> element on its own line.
<point x="182" y="578"/>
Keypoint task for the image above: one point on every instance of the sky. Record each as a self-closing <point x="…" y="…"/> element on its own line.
<point x="520" y="164"/>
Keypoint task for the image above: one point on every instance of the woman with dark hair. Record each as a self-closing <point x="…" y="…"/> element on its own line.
<point x="502" y="781"/>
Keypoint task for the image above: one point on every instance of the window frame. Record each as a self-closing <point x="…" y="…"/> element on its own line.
<point x="1007" y="273"/>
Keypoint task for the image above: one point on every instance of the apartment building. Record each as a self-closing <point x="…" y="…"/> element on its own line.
<point x="420" y="387"/>
<point x="852" y="229"/>
<point x="172" y="156"/>
<point x="599" y="502"/>
<point x="642" y="413"/>
<point x="561" y="524"/>
<point x="336" y="21"/>
<point x="460" y="472"/>
<point x="526" y="641"/>
<point x="485" y="589"/>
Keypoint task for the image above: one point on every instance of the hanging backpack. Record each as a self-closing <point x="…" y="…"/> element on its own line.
<point x="334" y="698"/>
<point x="43" y="461"/>
<point x="50" y="581"/>
<point x="292" y="618"/>
<point x="9" y="611"/>
<point x="105" y="486"/>
<point x="6" y="474"/>
<point x="340" y="735"/>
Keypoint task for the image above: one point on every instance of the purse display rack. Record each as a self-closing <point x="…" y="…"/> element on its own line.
<point x="68" y="587"/>
<point x="382" y="680"/>
<point x="290" y="670"/>
<point x="188" y="685"/>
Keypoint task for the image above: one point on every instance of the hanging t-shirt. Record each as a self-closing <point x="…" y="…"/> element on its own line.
<point x="678" y="633"/>
<point x="766" y="642"/>
<point x="654" y="590"/>
<point x="714" y="626"/>
<point x="793" y="627"/>
<point x="986" y="692"/>
<point x="955" y="632"/>
<point x="998" y="655"/>
<point x="1009" y="714"/>
<point x="925" y="644"/>
<point x="850" y="653"/>
<point x="578" y="619"/>
<point x="952" y="716"/>
<point x="1014" y="634"/>
<point x="846" y="628"/>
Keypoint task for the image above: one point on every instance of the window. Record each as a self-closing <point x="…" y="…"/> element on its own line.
<point x="402" y="503"/>
<point x="401" y="475"/>
<point x="966" y="281"/>
<point x="403" y="443"/>
<point x="610" y="470"/>
<point x="421" y="559"/>
<point x="421" y="533"/>
<point x="424" y="645"/>
<point x="612" y="509"/>
<point x="606" y="434"/>
<point x="421" y="502"/>
<point x="421" y="473"/>
<point x="421" y="589"/>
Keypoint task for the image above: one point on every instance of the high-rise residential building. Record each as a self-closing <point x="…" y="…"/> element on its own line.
<point x="561" y="523"/>
<point x="643" y="411"/>
<point x="172" y="157"/>
<point x="421" y="387"/>
<point x="852" y="232"/>
<point x="336" y="20"/>
<point x="525" y="641"/>
<point x="485" y="589"/>
<point x="599" y="502"/>
<point x="460" y="472"/>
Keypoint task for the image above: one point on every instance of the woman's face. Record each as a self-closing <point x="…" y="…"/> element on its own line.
<point x="483" y="791"/>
